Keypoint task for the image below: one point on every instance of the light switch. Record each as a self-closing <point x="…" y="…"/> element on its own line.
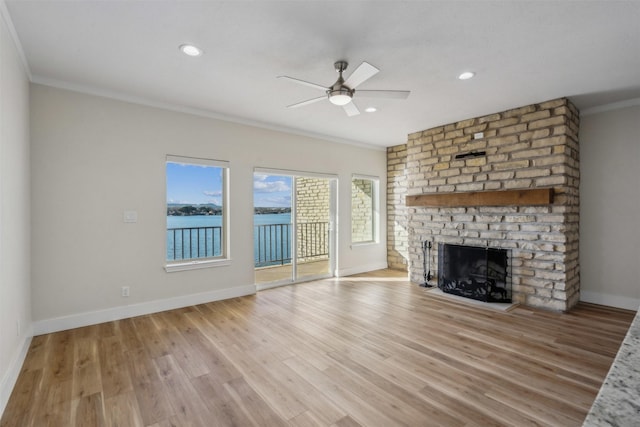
<point x="130" y="216"/>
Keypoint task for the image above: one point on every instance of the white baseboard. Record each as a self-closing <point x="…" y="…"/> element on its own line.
<point x="94" y="317"/>
<point x="11" y="375"/>
<point x="628" y="303"/>
<point x="361" y="269"/>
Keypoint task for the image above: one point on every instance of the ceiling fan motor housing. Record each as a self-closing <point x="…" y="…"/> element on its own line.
<point x="338" y="93"/>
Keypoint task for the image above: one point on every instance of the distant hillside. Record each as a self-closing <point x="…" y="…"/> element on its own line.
<point x="180" y="205"/>
<point x="177" y="209"/>
<point x="182" y="209"/>
<point x="267" y="210"/>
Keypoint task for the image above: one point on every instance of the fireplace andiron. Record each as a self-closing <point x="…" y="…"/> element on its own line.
<point x="426" y="252"/>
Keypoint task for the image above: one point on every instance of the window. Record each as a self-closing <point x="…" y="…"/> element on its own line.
<point x="197" y="213"/>
<point x="364" y="209"/>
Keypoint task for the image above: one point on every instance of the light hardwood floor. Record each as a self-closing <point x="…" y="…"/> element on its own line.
<point x="368" y="350"/>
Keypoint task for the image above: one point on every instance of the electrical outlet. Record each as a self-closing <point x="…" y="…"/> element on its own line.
<point x="125" y="291"/>
<point x="130" y="216"/>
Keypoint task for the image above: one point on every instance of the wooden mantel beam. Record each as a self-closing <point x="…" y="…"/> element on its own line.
<point x="533" y="197"/>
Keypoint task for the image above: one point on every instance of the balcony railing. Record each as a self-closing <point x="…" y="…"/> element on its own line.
<point x="272" y="243"/>
<point x="313" y="240"/>
<point x="193" y="242"/>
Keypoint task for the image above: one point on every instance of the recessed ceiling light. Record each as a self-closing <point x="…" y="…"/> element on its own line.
<point x="371" y="109"/>
<point x="466" y="75"/>
<point x="190" y="50"/>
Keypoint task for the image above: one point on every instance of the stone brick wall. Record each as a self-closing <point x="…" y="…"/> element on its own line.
<point x="397" y="220"/>
<point x="530" y="147"/>
<point x="312" y="195"/>
<point x="362" y="210"/>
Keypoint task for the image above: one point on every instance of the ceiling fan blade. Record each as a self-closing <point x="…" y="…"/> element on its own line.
<point x="307" y="102"/>
<point x="351" y="109"/>
<point x="391" y="94"/>
<point x="303" y="82"/>
<point x="364" y="72"/>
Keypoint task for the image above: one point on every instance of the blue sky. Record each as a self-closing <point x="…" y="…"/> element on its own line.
<point x="271" y="190"/>
<point x="195" y="184"/>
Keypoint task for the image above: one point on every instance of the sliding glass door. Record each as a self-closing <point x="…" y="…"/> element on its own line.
<point x="294" y="236"/>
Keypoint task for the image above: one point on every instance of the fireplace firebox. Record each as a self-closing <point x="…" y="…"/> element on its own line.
<point x="482" y="274"/>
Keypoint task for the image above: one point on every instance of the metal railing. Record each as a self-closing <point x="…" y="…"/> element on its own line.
<point x="313" y="240"/>
<point x="193" y="242"/>
<point x="272" y="243"/>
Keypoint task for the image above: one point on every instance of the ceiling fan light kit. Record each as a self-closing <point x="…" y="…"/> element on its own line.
<point x="341" y="93"/>
<point x="340" y="97"/>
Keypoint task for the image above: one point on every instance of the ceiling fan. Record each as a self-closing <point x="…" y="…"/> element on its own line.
<point x="342" y="91"/>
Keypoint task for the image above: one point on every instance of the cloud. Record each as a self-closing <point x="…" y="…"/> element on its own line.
<point x="216" y="193"/>
<point x="280" y="202"/>
<point x="261" y="185"/>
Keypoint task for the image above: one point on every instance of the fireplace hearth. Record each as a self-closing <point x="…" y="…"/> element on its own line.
<point x="478" y="273"/>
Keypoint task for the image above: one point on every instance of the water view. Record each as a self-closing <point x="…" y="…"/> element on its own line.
<point x="198" y="236"/>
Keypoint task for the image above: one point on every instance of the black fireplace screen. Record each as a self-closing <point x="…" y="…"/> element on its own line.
<point x="479" y="273"/>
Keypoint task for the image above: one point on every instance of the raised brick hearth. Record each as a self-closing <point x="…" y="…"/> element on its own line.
<point x="530" y="147"/>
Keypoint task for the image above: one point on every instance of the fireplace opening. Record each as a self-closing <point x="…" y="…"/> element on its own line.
<point x="482" y="274"/>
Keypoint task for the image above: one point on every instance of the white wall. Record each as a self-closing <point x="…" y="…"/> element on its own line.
<point x="15" y="303"/>
<point x="94" y="157"/>
<point x="610" y="207"/>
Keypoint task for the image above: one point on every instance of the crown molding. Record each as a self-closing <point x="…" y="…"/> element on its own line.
<point x="6" y="17"/>
<point x="635" y="102"/>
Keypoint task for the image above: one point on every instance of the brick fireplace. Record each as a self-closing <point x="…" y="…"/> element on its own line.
<point x="531" y="147"/>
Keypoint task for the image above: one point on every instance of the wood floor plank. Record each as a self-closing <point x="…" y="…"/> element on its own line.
<point x="128" y="334"/>
<point x="282" y="399"/>
<point x="343" y="397"/>
<point x="86" y="371"/>
<point x="346" y="422"/>
<point x="187" y="406"/>
<point x="55" y="407"/>
<point x="403" y="406"/>
<point x="37" y="355"/>
<point x="141" y="367"/>
<point x="87" y="411"/>
<point x="114" y="367"/>
<point x="317" y="405"/>
<point x="18" y="411"/>
<point x="122" y="411"/>
<point x="253" y="405"/>
<point x="225" y="409"/>
<point x="60" y="354"/>
<point x="191" y="362"/>
<point x="153" y="402"/>
<point x="366" y="350"/>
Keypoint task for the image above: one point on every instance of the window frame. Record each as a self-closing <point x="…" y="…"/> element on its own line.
<point x="215" y="261"/>
<point x="375" y="209"/>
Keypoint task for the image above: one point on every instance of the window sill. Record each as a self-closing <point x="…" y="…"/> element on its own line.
<point x="361" y="244"/>
<point x="196" y="265"/>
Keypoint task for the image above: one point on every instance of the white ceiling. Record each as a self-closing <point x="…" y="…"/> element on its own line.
<point x="522" y="52"/>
